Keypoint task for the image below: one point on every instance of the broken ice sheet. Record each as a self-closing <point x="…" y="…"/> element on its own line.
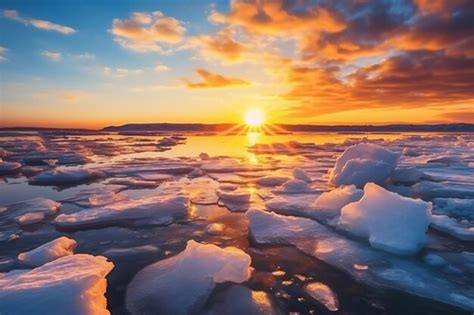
<point x="386" y="270"/>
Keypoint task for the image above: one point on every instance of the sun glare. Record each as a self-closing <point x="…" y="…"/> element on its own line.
<point x="254" y="118"/>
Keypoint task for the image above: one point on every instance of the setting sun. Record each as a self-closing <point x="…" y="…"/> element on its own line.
<point x="254" y="118"/>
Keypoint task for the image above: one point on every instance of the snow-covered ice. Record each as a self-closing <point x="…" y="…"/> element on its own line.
<point x="66" y="176"/>
<point x="294" y="186"/>
<point x="389" y="221"/>
<point x="333" y="201"/>
<point x="182" y="284"/>
<point x="451" y="226"/>
<point x="323" y="294"/>
<point x="301" y="174"/>
<point x="363" y="163"/>
<point x="30" y="218"/>
<point x="73" y="284"/>
<point x="158" y="210"/>
<point x="50" y="251"/>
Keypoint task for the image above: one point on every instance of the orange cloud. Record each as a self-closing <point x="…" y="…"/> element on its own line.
<point x="279" y="18"/>
<point x="146" y="32"/>
<point x="222" y="46"/>
<point x="214" y="80"/>
<point x="40" y="24"/>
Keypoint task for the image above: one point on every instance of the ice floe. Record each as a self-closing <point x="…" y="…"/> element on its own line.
<point x="331" y="202"/>
<point x="363" y="163"/>
<point x="294" y="186"/>
<point x="48" y="252"/>
<point x="183" y="283"/>
<point x="301" y="174"/>
<point x="153" y="210"/>
<point x="451" y="226"/>
<point x="238" y="300"/>
<point x="73" y="284"/>
<point x="233" y="193"/>
<point x="389" y="221"/>
<point x="323" y="294"/>
<point x="30" y="218"/>
<point x="65" y="176"/>
<point x="9" y="167"/>
<point x="272" y="181"/>
<point x="380" y="269"/>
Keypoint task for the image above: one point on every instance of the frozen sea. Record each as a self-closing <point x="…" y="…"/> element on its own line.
<point x="138" y="198"/>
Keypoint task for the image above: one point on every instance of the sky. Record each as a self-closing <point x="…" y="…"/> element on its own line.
<point x="91" y="64"/>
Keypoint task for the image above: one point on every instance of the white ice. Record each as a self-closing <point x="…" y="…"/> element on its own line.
<point x="156" y="209"/>
<point x="381" y="270"/>
<point x="35" y="205"/>
<point x="239" y="300"/>
<point x="363" y="163"/>
<point x="454" y="207"/>
<point x="301" y="174"/>
<point x="272" y="181"/>
<point x="389" y="221"/>
<point x="454" y="228"/>
<point x="73" y="284"/>
<point x="48" y="252"/>
<point x="294" y="186"/>
<point x="333" y="201"/>
<point x="233" y="193"/>
<point x="323" y="294"/>
<point x="183" y="283"/>
<point x="65" y="176"/>
<point x="30" y="218"/>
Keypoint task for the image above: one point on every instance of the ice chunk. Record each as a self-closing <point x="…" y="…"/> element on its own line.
<point x="408" y="175"/>
<point x="130" y="253"/>
<point x="434" y="260"/>
<point x="215" y="228"/>
<point x="294" y="186"/>
<point x="374" y="268"/>
<point x="363" y="163"/>
<point x="428" y="189"/>
<point x="293" y="204"/>
<point x="39" y="204"/>
<point x="452" y="227"/>
<point x="301" y="174"/>
<point x="50" y="251"/>
<point x="238" y="300"/>
<point x="323" y="294"/>
<point x="30" y="218"/>
<point x="272" y="181"/>
<point x="331" y="202"/>
<point x="66" y="176"/>
<point x="196" y="172"/>
<point x="390" y="222"/>
<point x="233" y="193"/>
<point x="454" y="207"/>
<point x="133" y="183"/>
<point x="167" y="142"/>
<point x="159" y="210"/>
<point x="72" y="284"/>
<point x="9" y="167"/>
<point x="183" y="283"/>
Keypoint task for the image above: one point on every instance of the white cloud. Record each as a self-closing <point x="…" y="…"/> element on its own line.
<point x="3" y="52"/>
<point x="161" y="68"/>
<point x="121" y="72"/>
<point x="51" y="55"/>
<point x="40" y="24"/>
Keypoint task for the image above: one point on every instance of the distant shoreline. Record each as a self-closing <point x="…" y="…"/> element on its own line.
<point x="279" y="128"/>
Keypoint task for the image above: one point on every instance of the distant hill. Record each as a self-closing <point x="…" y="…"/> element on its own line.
<point x="280" y="128"/>
<point x="295" y="128"/>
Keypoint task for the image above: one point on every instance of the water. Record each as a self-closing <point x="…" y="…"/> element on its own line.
<point x="109" y="151"/>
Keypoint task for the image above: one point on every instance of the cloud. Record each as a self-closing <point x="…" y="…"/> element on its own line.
<point x="40" y="24"/>
<point x="214" y="80"/>
<point x="121" y="72"/>
<point x="3" y="52"/>
<point x="459" y="116"/>
<point x="161" y="68"/>
<point x="147" y="32"/>
<point x="51" y="55"/>
<point x="221" y="45"/>
<point x="83" y="56"/>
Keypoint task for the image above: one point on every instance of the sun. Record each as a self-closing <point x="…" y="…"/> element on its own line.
<point x="254" y="118"/>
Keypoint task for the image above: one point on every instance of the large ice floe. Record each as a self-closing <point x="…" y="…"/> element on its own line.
<point x="381" y="270"/>
<point x="65" y="176"/>
<point x="150" y="210"/>
<point x="331" y="202"/>
<point x="50" y="251"/>
<point x="73" y="284"/>
<point x="389" y="221"/>
<point x="363" y="163"/>
<point x="460" y="230"/>
<point x="183" y="283"/>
